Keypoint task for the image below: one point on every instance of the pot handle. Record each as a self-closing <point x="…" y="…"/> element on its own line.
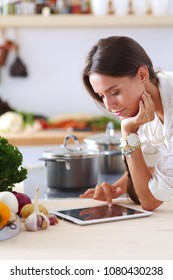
<point x="67" y="162"/>
<point x="76" y="142"/>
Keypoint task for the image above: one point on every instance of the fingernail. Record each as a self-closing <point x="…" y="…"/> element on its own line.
<point x="110" y="205"/>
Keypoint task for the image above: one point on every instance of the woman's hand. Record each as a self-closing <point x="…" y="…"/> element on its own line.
<point x="144" y="115"/>
<point x="103" y="192"/>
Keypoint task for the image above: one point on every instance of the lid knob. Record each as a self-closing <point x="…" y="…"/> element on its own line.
<point x="110" y="129"/>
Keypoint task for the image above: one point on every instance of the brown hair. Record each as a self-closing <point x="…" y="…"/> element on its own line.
<point x="117" y="56"/>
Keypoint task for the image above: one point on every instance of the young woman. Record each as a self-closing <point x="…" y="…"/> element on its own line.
<point x="120" y="77"/>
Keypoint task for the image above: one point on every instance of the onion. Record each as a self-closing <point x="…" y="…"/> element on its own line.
<point x="10" y="200"/>
<point x="22" y="198"/>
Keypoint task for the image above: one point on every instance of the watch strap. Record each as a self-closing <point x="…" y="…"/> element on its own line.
<point x="128" y="149"/>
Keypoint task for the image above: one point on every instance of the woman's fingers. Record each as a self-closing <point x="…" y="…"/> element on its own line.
<point x="149" y="106"/>
<point x="146" y="109"/>
<point x="116" y="192"/>
<point x="104" y="191"/>
<point x="88" y="194"/>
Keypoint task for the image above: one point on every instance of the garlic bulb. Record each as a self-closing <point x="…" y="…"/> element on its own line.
<point x="36" y="220"/>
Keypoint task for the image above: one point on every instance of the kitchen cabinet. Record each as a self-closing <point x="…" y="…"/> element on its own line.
<point x="81" y="21"/>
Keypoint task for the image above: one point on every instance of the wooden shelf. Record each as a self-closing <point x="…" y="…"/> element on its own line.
<point x="81" y="21"/>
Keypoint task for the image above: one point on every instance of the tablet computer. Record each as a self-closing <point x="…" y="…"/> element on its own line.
<point x="100" y="214"/>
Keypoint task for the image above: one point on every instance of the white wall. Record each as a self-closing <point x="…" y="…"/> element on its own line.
<point x="55" y="58"/>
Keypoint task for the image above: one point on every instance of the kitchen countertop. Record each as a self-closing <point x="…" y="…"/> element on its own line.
<point x="147" y="238"/>
<point x="142" y="238"/>
<point x="43" y="137"/>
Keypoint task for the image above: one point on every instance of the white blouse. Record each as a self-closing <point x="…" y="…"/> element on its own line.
<point x="157" y="142"/>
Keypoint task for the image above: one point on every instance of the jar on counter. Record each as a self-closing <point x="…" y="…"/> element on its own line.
<point x="8" y="7"/>
<point x="85" y="6"/>
<point x="75" y="6"/>
<point x="159" y="7"/>
<point x="99" y="8"/>
<point x="25" y="7"/>
<point x="121" y="7"/>
<point x="40" y="4"/>
<point x="140" y="7"/>
<point x="63" y="6"/>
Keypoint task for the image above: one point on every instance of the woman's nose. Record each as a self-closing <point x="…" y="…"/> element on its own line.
<point x="109" y="103"/>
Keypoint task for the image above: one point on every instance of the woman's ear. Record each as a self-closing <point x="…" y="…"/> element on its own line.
<point x="143" y="73"/>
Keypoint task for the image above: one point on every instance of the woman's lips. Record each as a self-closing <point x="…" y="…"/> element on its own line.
<point x="118" y="113"/>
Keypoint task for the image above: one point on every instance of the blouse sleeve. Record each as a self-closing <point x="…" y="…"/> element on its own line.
<point x="150" y="153"/>
<point x="161" y="184"/>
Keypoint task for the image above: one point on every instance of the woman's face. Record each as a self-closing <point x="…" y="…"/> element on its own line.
<point x="120" y="95"/>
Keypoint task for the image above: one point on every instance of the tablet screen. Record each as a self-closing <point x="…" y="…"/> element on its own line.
<point x="101" y="214"/>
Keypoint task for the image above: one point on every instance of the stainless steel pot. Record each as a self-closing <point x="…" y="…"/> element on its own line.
<point x="71" y="166"/>
<point x="110" y="159"/>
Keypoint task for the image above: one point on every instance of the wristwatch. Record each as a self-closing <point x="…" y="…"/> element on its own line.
<point x="130" y="144"/>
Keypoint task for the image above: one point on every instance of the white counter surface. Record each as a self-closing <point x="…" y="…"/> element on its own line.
<point x="141" y="238"/>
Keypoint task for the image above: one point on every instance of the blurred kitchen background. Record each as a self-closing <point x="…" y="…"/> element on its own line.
<point x="54" y="57"/>
<point x="43" y="47"/>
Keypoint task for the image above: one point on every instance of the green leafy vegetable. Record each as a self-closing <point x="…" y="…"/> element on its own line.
<point x="11" y="171"/>
<point x="28" y="118"/>
<point x="100" y="123"/>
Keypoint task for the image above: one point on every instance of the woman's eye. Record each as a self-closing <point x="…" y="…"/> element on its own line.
<point x="115" y="93"/>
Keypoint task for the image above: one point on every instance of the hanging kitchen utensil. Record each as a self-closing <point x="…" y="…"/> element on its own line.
<point x="4" y="49"/>
<point x="3" y="55"/>
<point x="18" y="68"/>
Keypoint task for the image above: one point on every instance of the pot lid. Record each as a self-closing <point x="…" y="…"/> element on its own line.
<point x="109" y="137"/>
<point x="70" y="151"/>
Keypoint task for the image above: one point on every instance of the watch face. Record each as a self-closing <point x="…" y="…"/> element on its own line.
<point x="133" y="139"/>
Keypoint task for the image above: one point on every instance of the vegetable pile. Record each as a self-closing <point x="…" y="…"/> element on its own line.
<point x="11" y="170"/>
<point x="14" y="204"/>
<point x="92" y="124"/>
<point x="34" y="215"/>
<point x="4" y="214"/>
